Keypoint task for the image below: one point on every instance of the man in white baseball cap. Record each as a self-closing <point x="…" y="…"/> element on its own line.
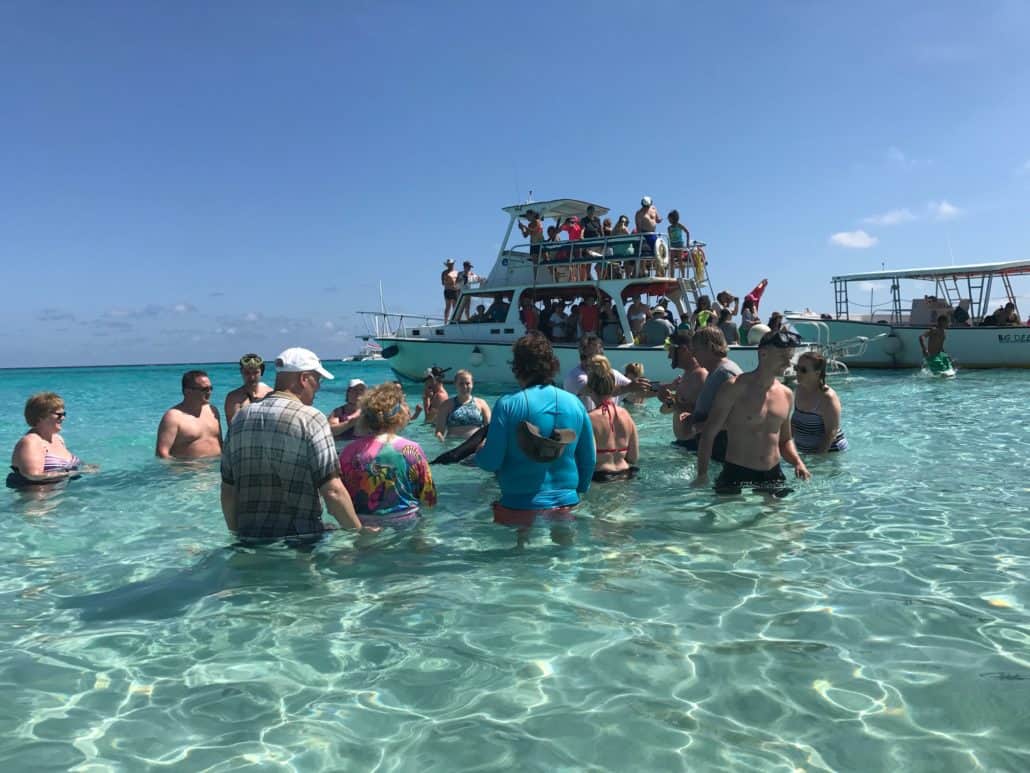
<point x="280" y="457"/>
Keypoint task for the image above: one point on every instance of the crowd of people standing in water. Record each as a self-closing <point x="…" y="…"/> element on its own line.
<point x="283" y="461"/>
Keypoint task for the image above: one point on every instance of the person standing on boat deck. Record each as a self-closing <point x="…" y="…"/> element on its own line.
<point x="647" y="222"/>
<point x="252" y="368"/>
<point x="726" y="300"/>
<point x="728" y="327"/>
<point x="280" y="461"/>
<point x="637" y="313"/>
<point x="191" y="429"/>
<point x="449" y="280"/>
<point x="589" y="316"/>
<point x="528" y="314"/>
<point x="815" y="422"/>
<point x="592" y="229"/>
<point x="679" y="241"/>
<point x="466" y="278"/>
<point x="576" y="379"/>
<point x="540" y="445"/>
<point x="755" y="409"/>
<point x="533" y="230"/>
<point x="748" y="317"/>
<point x="679" y="398"/>
<point x="710" y="349"/>
<point x="611" y="328"/>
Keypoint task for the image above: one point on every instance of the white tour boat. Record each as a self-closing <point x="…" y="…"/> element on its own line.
<point x="615" y="268"/>
<point x="890" y="339"/>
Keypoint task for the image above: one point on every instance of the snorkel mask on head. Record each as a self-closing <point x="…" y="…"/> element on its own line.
<point x="780" y="339"/>
<point x="252" y="362"/>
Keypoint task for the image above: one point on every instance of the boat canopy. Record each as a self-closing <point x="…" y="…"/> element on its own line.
<point x="557" y="208"/>
<point x="971" y="270"/>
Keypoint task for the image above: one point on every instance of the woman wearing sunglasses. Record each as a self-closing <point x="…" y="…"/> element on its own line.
<point x="41" y="457"/>
<point x="815" y="422"/>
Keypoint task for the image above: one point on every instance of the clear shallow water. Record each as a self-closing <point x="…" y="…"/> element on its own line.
<point x="874" y="620"/>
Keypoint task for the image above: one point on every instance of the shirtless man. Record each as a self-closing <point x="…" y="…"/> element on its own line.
<point x="191" y="429"/>
<point x="932" y="341"/>
<point x="680" y="397"/>
<point x="648" y="220"/>
<point x="434" y="393"/>
<point x="755" y="409"/>
<point x="449" y="280"/>
<point x="252" y="368"/>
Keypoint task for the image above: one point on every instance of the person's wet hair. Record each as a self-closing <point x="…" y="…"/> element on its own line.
<point x="533" y="360"/>
<point x="600" y="377"/>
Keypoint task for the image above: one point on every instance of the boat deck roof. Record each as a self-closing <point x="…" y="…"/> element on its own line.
<point x="1008" y="268"/>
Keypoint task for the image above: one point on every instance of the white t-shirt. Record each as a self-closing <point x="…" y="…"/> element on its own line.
<point x="576" y="382"/>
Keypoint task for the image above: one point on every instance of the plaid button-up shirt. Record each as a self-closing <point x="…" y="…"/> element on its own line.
<point x="277" y="455"/>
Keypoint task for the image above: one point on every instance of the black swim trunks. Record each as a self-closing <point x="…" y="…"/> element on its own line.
<point x="734" y="477"/>
<point x="450" y="294"/>
<point x="604" y="476"/>
<point x="718" y="446"/>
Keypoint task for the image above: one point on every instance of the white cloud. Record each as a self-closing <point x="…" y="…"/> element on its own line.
<point x="897" y="157"/>
<point x="251" y="316"/>
<point x="943" y="210"/>
<point x="892" y="217"/>
<point x="858" y="240"/>
<point x="183" y="308"/>
<point x="328" y="325"/>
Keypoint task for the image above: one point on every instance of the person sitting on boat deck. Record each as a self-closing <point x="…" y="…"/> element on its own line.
<point x="702" y="312"/>
<point x="615" y="433"/>
<point x="679" y="397"/>
<point x="775" y="322"/>
<point x="589" y="316"/>
<point x="657" y="329"/>
<point x="387" y="476"/>
<point x="528" y="314"/>
<point x="1009" y="315"/>
<point x="540" y="445"/>
<point x="280" y="461"/>
<point x="748" y="317"/>
<point x="611" y="328"/>
<point x="726" y="300"/>
<point x="343" y="420"/>
<point x="815" y="422"/>
<point x="710" y="349"/>
<point x="637" y="313"/>
<point x="461" y="415"/>
<point x="576" y="379"/>
<point x="534" y="230"/>
<point x="633" y="371"/>
<point x="728" y="327"/>
<point x="498" y="309"/>
<point x="479" y="315"/>
<point x="932" y="343"/>
<point x="679" y="241"/>
<point x="647" y="222"/>
<point x="960" y="317"/>
<point x="252" y="368"/>
<point x="434" y="393"/>
<point x="40" y="456"/>
<point x="192" y="428"/>
<point x="755" y="410"/>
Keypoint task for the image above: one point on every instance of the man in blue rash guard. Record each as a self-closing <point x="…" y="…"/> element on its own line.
<point x="540" y="444"/>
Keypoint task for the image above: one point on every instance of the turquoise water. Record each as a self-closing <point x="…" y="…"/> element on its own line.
<point x="874" y="620"/>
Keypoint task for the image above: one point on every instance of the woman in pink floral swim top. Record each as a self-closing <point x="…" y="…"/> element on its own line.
<point x="386" y="475"/>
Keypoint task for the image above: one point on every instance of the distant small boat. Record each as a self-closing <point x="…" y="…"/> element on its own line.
<point x="370" y="351"/>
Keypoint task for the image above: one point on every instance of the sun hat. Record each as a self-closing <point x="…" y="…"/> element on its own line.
<point x="646" y="201"/>
<point x="658" y="311"/>
<point x="448" y="262"/>
<point x="299" y="360"/>
<point x="436" y="372"/>
<point x="467" y="263"/>
<point x="355" y="382"/>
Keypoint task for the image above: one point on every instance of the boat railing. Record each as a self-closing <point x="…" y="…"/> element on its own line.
<point x="382" y="323"/>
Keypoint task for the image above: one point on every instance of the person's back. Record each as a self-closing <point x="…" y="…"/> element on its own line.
<point x="615" y="432"/>
<point x="656" y="330"/>
<point x="526" y="484"/>
<point x="269" y="457"/>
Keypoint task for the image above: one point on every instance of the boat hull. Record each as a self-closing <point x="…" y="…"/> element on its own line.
<point x="896" y="346"/>
<point x="491" y="362"/>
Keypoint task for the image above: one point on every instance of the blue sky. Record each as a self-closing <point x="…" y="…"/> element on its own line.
<point x="190" y="181"/>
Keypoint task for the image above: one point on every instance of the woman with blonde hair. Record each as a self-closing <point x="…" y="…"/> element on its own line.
<point x="463" y="414"/>
<point x="615" y="432"/>
<point x="41" y="457"/>
<point x="386" y="475"/>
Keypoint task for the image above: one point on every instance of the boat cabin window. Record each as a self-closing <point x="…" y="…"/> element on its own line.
<point x="483" y="307"/>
